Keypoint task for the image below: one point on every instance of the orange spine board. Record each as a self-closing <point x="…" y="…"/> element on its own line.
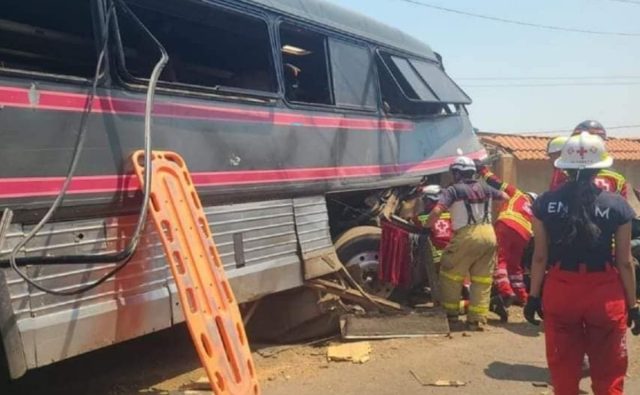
<point x="209" y="306"/>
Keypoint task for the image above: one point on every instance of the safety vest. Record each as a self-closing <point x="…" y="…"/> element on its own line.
<point x="441" y="232"/>
<point x="516" y="212"/>
<point x="606" y="180"/>
<point x="611" y="181"/>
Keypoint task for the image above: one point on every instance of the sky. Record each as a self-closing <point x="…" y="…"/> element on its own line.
<point x="475" y="48"/>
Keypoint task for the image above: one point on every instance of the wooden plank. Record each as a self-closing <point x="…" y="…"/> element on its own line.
<point x="354" y="295"/>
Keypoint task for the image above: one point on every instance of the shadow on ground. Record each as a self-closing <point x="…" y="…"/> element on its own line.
<point x="519" y="328"/>
<point x="126" y="368"/>
<point x="517" y="372"/>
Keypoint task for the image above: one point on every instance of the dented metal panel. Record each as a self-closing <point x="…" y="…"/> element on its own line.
<point x="314" y="237"/>
<point x="312" y="223"/>
<point x="258" y="247"/>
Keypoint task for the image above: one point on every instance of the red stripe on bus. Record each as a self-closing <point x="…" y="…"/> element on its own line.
<point x="50" y="186"/>
<point x="64" y="101"/>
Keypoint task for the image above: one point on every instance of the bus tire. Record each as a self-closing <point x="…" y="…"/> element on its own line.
<point x="358" y="249"/>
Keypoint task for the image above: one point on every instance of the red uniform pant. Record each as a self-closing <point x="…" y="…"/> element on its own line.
<point x="508" y="277"/>
<point x="585" y="313"/>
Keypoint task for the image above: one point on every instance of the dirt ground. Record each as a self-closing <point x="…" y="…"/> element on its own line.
<point x="507" y="359"/>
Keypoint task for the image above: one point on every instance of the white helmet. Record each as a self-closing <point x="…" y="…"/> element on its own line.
<point x="584" y="151"/>
<point x="432" y="192"/>
<point x="555" y="144"/>
<point x="463" y="163"/>
<point x="532" y="195"/>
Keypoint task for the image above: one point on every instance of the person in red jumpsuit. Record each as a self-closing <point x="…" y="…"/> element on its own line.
<point x="606" y="179"/>
<point x="513" y="232"/>
<point x="589" y="298"/>
<point x="442" y="232"/>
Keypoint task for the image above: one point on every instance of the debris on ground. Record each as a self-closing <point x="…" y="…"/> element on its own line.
<point x="540" y="384"/>
<point x="419" y="324"/>
<point x="200" y="386"/>
<point x="272" y="351"/>
<point x="437" y="383"/>
<point x="354" y="352"/>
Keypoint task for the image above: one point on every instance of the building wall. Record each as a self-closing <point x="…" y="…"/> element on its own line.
<point x="534" y="175"/>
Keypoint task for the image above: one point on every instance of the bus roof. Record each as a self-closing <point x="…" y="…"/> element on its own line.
<point x="339" y="18"/>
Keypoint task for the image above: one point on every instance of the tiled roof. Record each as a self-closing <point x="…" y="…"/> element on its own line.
<point x="535" y="148"/>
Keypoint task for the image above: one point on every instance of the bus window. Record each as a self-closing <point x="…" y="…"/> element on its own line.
<point x="354" y="83"/>
<point x="47" y="37"/>
<point x="446" y="90"/>
<point x="415" y="87"/>
<point x="305" y="65"/>
<point x="412" y="84"/>
<point x="208" y="46"/>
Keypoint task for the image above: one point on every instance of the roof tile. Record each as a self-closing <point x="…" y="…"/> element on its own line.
<point x="535" y="147"/>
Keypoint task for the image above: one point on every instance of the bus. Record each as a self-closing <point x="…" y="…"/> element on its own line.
<point x="292" y="116"/>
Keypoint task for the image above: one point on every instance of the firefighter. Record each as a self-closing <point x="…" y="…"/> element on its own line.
<point x="513" y="232"/>
<point x="472" y="249"/>
<point x="606" y="179"/>
<point x="589" y="298"/>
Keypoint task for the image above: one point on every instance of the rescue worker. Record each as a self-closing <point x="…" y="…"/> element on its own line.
<point x="513" y="233"/>
<point x="589" y="298"/>
<point x="441" y="233"/>
<point x="472" y="249"/>
<point x="554" y="149"/>
<point x="606" y="179"/>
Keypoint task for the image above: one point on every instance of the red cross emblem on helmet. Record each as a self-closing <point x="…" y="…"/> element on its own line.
<point x="582" y="151"/>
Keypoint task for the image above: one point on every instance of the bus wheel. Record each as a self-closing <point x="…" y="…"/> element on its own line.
<point x="358" y="249"/>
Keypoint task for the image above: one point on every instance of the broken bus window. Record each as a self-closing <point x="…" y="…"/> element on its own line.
<point x="208" y="46"/>
<point x="47" y="37"/>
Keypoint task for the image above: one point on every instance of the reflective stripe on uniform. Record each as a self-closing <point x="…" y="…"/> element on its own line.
<point x="423" y="218"/>
<point x="482" y="279"/>
<point x="619" y="178"/>
<point x="510" y="214"/>
<point x="479" y="309"/>
<point x="452" y="276"/>
<point x="500" y="272"/>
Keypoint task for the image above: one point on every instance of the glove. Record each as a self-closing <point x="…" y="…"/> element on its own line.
<point x="633" y="320"/>
<point x="533" y="306"/>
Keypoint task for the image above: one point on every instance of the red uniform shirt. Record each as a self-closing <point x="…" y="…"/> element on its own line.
<point x="606" y="180"/>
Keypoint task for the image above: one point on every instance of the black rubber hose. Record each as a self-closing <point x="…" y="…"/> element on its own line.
<point x="125" y="255"/>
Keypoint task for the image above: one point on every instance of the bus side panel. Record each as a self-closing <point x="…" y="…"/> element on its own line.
<point x="257" y="242"/>
<point x="14" y="305"/>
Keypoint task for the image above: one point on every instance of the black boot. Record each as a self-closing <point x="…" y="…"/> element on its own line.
<point x="499" y="305"/>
